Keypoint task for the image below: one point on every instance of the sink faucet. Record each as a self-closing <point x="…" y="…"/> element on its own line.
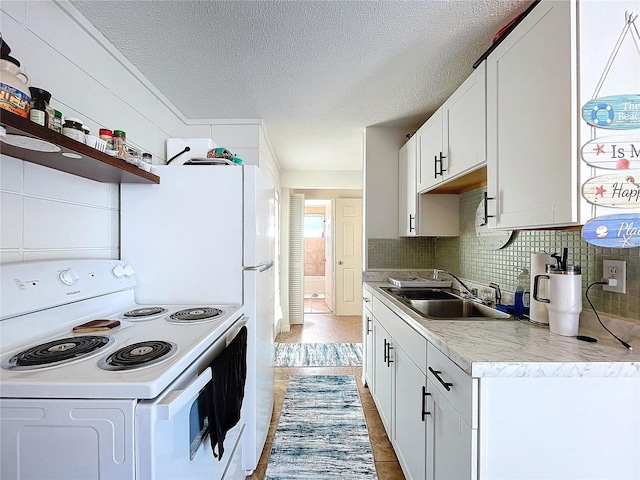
<point x="473" y="293"/>
<point x="496" y="287"/>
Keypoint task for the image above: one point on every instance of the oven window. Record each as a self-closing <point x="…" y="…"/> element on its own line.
<point x="198" y="423"/>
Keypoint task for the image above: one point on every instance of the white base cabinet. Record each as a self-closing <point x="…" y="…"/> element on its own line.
<point x="367" y="336"/>
<point x="445" y="424"/>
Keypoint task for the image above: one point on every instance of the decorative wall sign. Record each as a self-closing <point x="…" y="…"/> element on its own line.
<point x="621" y="230"/>
<point x="621" y="190"/>
<point x="615" y="112"/>
<point x="615" y="152"/>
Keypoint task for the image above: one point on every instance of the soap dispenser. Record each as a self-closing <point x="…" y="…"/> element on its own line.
<point x="522" y="300"/>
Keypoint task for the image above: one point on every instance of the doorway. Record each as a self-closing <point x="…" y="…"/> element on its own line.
<point x="318" y="255"/>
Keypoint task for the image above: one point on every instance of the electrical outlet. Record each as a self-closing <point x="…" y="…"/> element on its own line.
<point x="617" y="270"/>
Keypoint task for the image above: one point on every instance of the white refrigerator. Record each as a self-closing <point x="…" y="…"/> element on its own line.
<point x="206" y="235"/>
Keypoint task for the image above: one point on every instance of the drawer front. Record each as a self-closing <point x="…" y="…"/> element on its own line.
<point x="414" y="344"/>
<point x="458" y="388"/>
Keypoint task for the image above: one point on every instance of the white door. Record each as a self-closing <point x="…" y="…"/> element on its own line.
<point x="328" y="255"/>
<point x="348" y="267"/>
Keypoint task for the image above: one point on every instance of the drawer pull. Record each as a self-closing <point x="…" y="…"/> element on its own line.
<point x="386" y="352"/>
<point x="424" y="403"/>
<point x="437" y="373"/>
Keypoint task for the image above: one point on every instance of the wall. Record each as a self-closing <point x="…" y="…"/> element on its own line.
<point x="465" y="257"/>
<point x="50" y="214"/>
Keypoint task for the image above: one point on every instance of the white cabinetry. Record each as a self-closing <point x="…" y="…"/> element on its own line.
<point x="400" y="388"/>
<point x="451" y="441"/>
<point x="383" y="375"/>
<point x="452" y="142"/>
<point x="532" y="172"/>
<point x="367" y="336"/>
<point x="423" y="215"/>
<point x="430" y="154"/>
<point x="407" y="193"/>
<point x="464" y="134"/>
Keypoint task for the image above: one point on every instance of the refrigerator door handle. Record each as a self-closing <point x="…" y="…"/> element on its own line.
<point x="263" y="267"/>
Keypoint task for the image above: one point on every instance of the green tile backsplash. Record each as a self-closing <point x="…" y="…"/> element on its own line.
<point x="467" y="258"/>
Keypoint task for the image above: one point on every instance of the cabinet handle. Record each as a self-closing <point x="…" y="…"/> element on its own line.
<point x="366" y="300"/>
<point x="389" y="361"/>
<point x="386" y="353"/>
<point x="411" y="220"/>
<point x="435" y="166"/>
<point x="486" y="207"/>
<point x="424" y="403"/>
<point x="442" y="170"/>
<point x="437" y="373"/>
<point x="369" y="329"/>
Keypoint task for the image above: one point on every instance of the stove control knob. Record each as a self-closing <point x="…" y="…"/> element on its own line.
<point x="69" y="277"/>
<point x="118" y="271"/>
<point x="128" y="270"/>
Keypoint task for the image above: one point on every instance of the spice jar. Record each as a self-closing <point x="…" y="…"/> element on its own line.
<point x="14" y="87"/>
<point x="107" y="135"/>
<point x="119" y="139"/>
<point x="57" y="121"/>
<point x="39" y="106"/>
<point x="72" y="128"/>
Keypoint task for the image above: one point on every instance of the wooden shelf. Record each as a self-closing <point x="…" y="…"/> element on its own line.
<point x="94" y="164"/>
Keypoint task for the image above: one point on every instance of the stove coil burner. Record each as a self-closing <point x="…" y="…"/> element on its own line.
<point x="57" y="351"/>
<point x="144" y="312"/>
<point x="140" y="354"/>
<point x="192" y="315"/>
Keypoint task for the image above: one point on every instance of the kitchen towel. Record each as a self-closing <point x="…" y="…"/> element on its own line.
<point x="322" y="433"/>
<point x="226" y="391"/>
<point x="538" y="310"/>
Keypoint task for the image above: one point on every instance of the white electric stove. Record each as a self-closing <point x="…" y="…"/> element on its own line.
<point x="127" y="402"/>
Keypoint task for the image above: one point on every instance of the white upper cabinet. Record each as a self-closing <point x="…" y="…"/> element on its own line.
<point x="427" y="215"/>
<point x="464" y="130"/>
<point x="408" y="197"/>
<point x="453" y="141"/>
<point x="532" y="174"/>
<point x="430" y="154"/>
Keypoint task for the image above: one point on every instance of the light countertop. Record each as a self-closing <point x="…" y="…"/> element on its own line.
<point x="514" y="348"/>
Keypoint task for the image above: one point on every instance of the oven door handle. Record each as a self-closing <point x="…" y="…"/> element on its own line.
<point x="176" y="400"/>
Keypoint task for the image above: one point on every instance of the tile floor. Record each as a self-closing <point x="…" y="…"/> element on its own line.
<point x="326" y="328"/>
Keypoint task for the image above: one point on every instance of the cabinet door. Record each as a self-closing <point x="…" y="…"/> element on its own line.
<point x="464" y="123"/>
<point x="531" y="105"/>
<point x="410" y="427"/>
<point x="451" y="443"/>
<point x="383" y="375"/>
<point x="407" y="189"/>
<point x="367" y="336"/>
<point x="430" y="152"/>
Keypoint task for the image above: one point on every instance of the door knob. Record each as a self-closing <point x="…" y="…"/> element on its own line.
<point x="339" y="262"/>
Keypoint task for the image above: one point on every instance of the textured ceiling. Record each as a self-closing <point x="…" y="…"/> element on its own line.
<point x="316" y="72"/>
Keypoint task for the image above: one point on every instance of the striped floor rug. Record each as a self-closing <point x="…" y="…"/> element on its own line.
<point x="318" y="354"/>
<point x="322" y="433"/>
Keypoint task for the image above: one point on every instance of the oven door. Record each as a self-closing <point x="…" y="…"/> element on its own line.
<point x="171" y="431"/>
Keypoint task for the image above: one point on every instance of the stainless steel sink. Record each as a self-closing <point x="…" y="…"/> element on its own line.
<point x="436" y="304"/>
<point x="457" y="308"/>
<point x="420" y="293"/>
